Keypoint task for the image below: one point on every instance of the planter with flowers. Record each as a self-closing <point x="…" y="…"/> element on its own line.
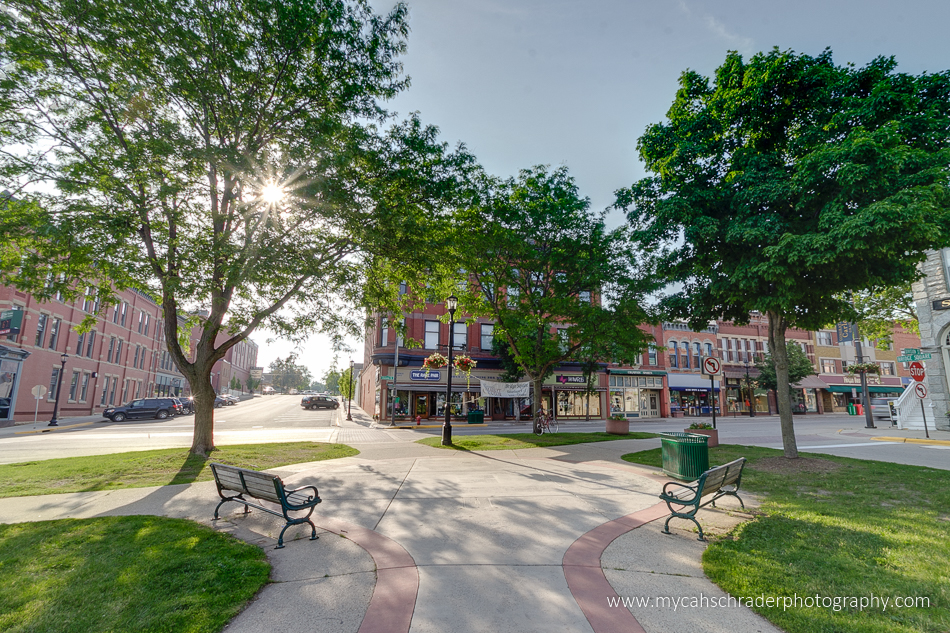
<point x="465" y="365"/>
<point x="618" y="425"/>
<point x="864" y="368"/>
<point x="435" y="361"/>
<point x="704" y="428"/>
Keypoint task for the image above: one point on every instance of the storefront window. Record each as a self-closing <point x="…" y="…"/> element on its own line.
<point x="576" y="403"/>
<point x="8" y="374"/>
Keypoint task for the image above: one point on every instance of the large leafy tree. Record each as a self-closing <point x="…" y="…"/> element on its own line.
<point x="230" y="156"/>
<point x="798" y="367"/>
<point x="788" y="181"/>
<point x="880" y="310"/>
<point x="548" y="271"/>
<point x="287" y="374"/>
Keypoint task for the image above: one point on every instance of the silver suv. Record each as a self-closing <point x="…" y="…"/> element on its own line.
<point x="881" y="408"/>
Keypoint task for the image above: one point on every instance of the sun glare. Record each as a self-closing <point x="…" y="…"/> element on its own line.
<point x="272" y="193"/>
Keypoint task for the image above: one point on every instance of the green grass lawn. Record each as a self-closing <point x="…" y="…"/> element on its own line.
<point x="837" y="528"/>
<point x="527" y="440"/>
<point x="136" y="573"/>
<point x="153" y="468"/>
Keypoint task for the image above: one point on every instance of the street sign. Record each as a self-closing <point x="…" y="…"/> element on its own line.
<point x="912" y="357"/>
<point x="711" y="366"/>
<point x="910" y="350"/>
<point x="386" y="378"/>
<point x="917" y="371"/>
<point x="38" y="391"/>
<point x="920" y="390"/>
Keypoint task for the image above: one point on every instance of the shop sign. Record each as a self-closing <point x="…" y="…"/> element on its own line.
<point x="635" y="372"/>
<point x="942" y="304"/>
<point x="421" y="374"/>
<point x="856" y="380"/>
<point x="10" y="322"/>
<point x="570" y="380"/>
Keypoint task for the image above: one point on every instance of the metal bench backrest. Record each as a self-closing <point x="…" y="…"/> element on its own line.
<point x="260" y="485"/>
<point x="725" y="475"/>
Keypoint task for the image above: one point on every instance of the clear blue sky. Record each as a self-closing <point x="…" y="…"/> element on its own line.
<point x="527" y="82"/>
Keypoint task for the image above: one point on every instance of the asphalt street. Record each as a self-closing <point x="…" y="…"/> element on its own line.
<point x="280" y="418"/>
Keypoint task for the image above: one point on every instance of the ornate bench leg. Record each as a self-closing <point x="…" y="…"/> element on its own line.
<point x="666" y="526"/>
<point x="280" y="539"/>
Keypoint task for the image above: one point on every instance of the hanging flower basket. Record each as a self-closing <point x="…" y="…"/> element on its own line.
<point x="466" y="365"/>
<point x="435" y="361"/>
<point x="864" y="368"/>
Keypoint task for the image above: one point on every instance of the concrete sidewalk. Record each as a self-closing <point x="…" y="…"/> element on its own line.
<point x="424" y="540"/>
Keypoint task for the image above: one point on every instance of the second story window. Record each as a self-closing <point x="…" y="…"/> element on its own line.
<point x="460" y="335"/>
<point x="824" y="338"/>
<point x="111" y="349"/>
<point x="384" y="332"/>
<point x="674" y="351"/>
<point x="432" y="335"/>
<point x="584" y="296"/>
<point x="89" y="345"/>
<point x="54" y="333"/>
<point x="651" y="356"/>
<point x="487" y="334"/>
<point x="41" y="330"/>
<point x="828" y="366"/>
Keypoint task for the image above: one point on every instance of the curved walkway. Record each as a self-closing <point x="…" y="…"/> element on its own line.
<point x="447" y="541"/>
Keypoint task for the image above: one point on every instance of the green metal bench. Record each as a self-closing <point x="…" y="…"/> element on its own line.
<point x="261" y="486"/>
<point x="719" y="481"/>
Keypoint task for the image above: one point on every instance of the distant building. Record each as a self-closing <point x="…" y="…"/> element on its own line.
<point x="122" y="358"/>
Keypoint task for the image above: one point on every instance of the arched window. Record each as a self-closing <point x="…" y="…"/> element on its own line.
<point x="674" y="351"/>
<point x="697" y="352"/>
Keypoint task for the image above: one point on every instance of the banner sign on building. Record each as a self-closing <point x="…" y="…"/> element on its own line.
<point x="568" y="380"/>
<point x="845" y="332"/>
<point x="10" y="322"/>
<point x="257" y="373"/>
<point x="421" y="374"/>
<point x="491" y="389"/>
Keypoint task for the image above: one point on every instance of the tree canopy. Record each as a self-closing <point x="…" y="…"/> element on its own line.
<point x="786" y="182"/>
<point x="287" y="374"/>
<point x="231" y="156"/>
<point x="548" y="271"/>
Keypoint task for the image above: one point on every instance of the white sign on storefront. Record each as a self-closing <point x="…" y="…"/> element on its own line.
<point x="491" y="389"/>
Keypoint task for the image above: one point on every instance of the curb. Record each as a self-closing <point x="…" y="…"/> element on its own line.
<point x="912" y="440"/>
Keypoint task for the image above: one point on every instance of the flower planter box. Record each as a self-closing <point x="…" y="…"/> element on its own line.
<point x="713" y="435"/>
<point x="678" y="413"/>
<point x="618" y="427"/>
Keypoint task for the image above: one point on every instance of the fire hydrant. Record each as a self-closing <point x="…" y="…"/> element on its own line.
<point x="418" y="420"/>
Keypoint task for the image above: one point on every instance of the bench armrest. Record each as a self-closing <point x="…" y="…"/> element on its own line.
<point x="314" y="498"/>
<point x="686" y="501"/>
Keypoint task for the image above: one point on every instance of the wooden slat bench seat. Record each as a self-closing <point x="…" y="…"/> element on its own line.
<point x="719" y="482"/>
<point x="251" y="484"/>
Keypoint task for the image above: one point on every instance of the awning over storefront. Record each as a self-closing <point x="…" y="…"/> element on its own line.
<point x="689" y="382"/>
<point x="871" y="388"/>
<point x="810" y="382"/>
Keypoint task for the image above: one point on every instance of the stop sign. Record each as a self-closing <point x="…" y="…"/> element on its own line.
<point x="916" y="371"/>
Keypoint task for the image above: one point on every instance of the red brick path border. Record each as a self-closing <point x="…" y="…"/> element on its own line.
<point x="397" y="579"/>
<point x="585" y="576"/>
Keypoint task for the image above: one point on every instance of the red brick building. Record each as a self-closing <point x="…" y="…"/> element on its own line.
<point x="123" y="357"/>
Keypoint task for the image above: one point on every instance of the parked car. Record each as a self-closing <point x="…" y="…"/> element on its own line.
<point x="184" y="406"/>
<point x="160" y="408"/>
<point x="319" y="402"/>
<point x="881" y="408"/>
<point x="230" y="399"/>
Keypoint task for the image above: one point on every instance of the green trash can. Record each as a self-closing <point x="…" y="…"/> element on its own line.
<point x="476" y="417"/>
<point x="685" y="455"/>
<point x="851" y="410"/>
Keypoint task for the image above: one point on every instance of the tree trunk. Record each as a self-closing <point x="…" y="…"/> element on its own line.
<point x="203" y="390"/>
<point x="536" y="405"/>
<point x="777" y="327"/>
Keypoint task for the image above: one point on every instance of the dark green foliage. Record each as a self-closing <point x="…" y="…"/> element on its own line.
<point x="550" y="274"/>
<point x="786" y="182"/>
<point x="798" y="367"/>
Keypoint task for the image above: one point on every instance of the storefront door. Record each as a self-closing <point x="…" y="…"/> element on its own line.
<point x="653" y="406"/>
<point x="421" y="405"/>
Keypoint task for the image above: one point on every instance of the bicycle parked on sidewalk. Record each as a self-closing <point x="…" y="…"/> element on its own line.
<point x="546" y="423"/>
